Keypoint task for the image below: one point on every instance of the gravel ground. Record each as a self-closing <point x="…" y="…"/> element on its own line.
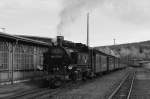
<point x="99" y="89"/>
<point x="141" y="87"/>
<point x="17" y="88"/>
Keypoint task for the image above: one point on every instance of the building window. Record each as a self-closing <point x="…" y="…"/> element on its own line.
<point x="4" y="59"/>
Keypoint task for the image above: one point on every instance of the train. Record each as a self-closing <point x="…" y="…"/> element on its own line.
<point x="136" y="62"/>
<point x="74" y="64"/>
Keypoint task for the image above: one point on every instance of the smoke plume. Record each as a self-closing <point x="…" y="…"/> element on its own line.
<point x="72" y="9"/>
<point x="132" y="11"/>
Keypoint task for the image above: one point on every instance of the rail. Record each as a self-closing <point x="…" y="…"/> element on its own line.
<point x="131" y="87"/>
<point x="121" y="84"/>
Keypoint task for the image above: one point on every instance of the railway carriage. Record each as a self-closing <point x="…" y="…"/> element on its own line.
<point x="100" y="62"/>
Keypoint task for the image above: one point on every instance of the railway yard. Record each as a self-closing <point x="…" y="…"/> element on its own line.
<point x="91" y="89"/>
<point x="67" y="72"/>
<point x="45" y="52"/>
<point x="74" y="49"/>
<point x="129" y="83"/>
<point x="62" y="71"/>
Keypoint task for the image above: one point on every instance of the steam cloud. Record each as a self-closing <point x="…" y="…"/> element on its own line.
<point x="74" y="8"/>
<point x="132" y="11"/>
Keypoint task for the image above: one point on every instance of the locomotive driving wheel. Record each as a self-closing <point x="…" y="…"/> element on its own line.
<point x="55" y="83"/>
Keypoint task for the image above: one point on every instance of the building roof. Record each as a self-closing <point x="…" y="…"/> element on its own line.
<point x="27" y="40"/>
<point x="43" y="39"/>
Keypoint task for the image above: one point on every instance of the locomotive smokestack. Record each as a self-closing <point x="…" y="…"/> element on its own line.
<point x="60" y="40"/>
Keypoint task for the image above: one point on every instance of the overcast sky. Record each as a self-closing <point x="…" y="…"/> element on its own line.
<point x="124" y="20"/>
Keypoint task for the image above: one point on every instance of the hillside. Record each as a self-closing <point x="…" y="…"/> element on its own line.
<point x="138" y="50"/>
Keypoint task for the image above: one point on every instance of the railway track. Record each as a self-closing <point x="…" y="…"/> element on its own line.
<point x="141" y="88"/>
<point x="46" y="93"/>
<point x="23" y="93"/>
<point x="124" y="89"/>
<point x="36" y="93"/>
<point x="133" y="86"/>
<point x="42" y="93"/>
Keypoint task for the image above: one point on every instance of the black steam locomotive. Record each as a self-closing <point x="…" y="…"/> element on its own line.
<point x="76" y="63"/>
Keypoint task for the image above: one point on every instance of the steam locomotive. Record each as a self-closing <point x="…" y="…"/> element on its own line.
<point x="78" y="63"/>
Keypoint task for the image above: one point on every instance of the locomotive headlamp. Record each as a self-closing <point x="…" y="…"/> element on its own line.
<point x="70" y="67"/>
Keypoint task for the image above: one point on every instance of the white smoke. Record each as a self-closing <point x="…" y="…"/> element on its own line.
<point x="72" y="9"/>
<point x="132" y="11"/>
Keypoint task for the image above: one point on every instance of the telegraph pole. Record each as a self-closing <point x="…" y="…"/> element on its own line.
<point x="114" y="41"/>
<point x="87" y="29"/>
<point x="90" y="52"/>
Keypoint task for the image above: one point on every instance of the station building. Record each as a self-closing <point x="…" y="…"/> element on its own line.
<point x="20" y="58"/>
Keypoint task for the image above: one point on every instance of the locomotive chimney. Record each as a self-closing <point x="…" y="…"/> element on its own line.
<point x="60" y="40"/>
